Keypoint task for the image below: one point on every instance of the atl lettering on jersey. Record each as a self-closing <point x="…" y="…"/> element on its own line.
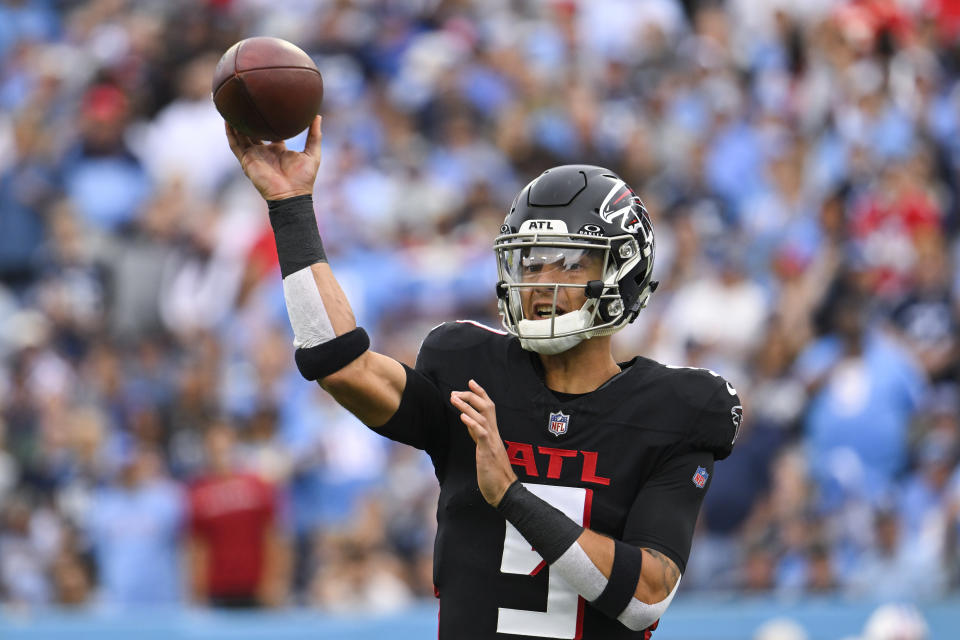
<point x="532" y="459"/>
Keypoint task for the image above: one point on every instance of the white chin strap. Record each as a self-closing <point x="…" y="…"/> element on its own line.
<point x="535" y="335"/>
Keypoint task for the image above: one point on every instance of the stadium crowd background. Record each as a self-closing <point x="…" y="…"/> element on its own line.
<point x="800" y="161"/>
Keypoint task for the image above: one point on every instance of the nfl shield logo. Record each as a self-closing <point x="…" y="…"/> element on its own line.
<point x="559" y="422"/>
<point x="700" y="477"/>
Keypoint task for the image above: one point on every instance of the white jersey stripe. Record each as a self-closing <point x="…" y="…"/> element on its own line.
<point x="482" y="326"/>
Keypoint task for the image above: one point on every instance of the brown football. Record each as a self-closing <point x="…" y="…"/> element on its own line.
<point x="267" y="88"/>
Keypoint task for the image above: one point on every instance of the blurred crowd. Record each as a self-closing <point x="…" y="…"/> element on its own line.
<point x="800" y="161"/>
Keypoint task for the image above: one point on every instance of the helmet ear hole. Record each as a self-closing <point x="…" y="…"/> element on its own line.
<point x="610" y="309"/>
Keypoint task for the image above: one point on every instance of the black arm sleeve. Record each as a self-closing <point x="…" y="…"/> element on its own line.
<point x="420" y="421"/>
<point x="665" y="510"/>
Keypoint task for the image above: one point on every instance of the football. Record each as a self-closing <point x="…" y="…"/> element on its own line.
<point x="267" y="88"/>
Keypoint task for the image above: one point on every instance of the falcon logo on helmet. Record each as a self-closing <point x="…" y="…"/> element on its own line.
<point x="624" y="207"/>
<point x="609" y="258"/>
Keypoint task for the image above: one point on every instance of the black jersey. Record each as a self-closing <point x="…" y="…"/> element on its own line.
<point x="631" y="460"/>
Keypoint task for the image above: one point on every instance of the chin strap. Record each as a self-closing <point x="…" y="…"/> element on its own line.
<point x="551" y="346"/>
<point x="535" y="335"/>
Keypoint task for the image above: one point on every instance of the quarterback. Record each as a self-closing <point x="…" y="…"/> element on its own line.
<point x="569" y="483"/>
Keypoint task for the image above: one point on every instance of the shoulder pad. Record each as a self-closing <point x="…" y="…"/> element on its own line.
<point x="716" y="412"/>
<point x="455" y="336"/>
<point x="461" y="334"/>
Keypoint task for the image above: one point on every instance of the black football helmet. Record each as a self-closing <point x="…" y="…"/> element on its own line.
<point x="569" y="212"/>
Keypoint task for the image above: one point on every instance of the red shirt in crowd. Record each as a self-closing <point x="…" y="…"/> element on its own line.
<point x="232" y="514"/>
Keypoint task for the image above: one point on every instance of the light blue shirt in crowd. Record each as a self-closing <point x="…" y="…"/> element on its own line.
<point x="865" y="405"/>
<point x="135" y="535"/>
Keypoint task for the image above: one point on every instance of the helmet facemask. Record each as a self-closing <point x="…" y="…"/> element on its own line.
<point x="537" y="272"/>
<point x="566" y="210"/>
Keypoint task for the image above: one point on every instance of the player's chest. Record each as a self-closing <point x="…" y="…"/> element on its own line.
<point x="580" y="453"/>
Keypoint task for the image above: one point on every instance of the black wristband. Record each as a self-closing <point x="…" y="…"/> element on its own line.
<point x="544" y="526"/>
<point x="627" y="563"/>
<point x="295" y="231"/>
<point x="322" y="360"/>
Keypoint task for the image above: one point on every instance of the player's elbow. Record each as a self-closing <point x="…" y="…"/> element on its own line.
<point x="656" y="587"/>
<point x="636" y="621"/>
<point x="348" y="378"/>
<point x="659" y="577"/>
<point x="654" y="590"/>
<point x="640" y="614"/>
<point x="370" y="387"/>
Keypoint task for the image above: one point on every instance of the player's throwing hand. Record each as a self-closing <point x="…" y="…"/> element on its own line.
<point x="478" y="412"/>
<point x="278" y="172"/>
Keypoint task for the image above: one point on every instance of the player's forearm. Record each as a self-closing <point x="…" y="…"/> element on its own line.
<point x="324" y="330"/>
<point x="658" y="573"/>
<point x="316" y="305"/>
<point x="334" y="299"/>
<point x="330" y="348"/>
<point x="609" y="590"/>
<point x="607" y="573"/>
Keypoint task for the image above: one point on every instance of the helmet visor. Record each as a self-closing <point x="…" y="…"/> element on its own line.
<point x="547" y="264"/>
